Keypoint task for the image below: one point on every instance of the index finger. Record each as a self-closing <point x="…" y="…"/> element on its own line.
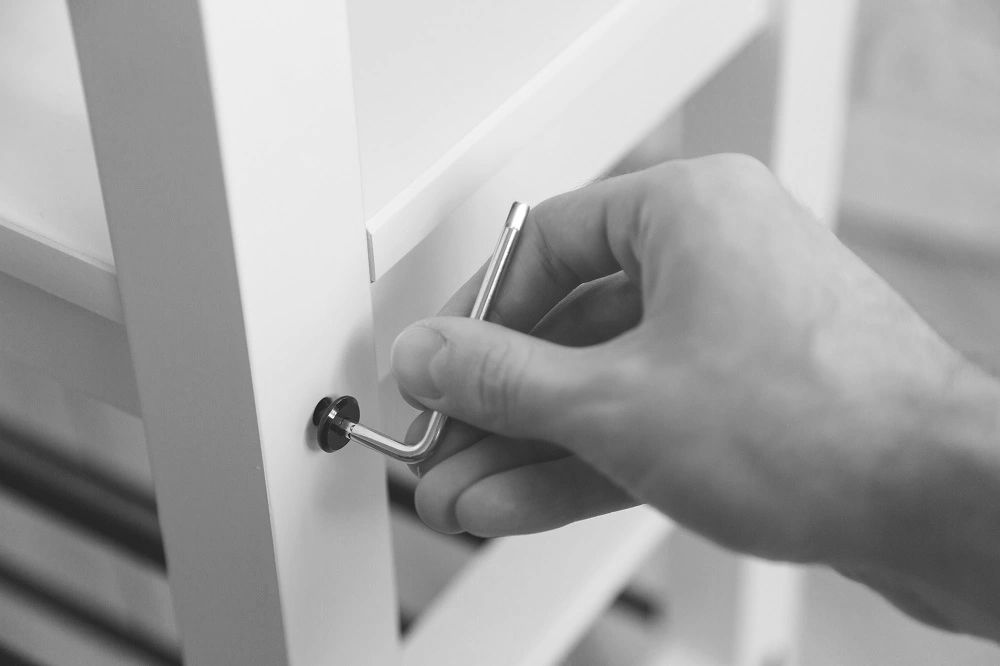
<point x="567" y="240"/>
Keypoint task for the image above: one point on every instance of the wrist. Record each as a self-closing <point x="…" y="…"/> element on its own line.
<point x="935" y="494"/>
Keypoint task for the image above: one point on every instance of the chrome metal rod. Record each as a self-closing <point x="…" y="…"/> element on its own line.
<point x="338" y="420"/>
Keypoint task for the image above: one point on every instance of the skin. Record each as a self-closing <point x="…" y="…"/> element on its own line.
<point x="690" y="337"/>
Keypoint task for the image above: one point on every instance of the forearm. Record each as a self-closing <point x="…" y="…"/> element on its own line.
<point x="938" y="551"/>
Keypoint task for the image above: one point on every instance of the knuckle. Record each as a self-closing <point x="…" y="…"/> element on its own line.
<point x="714" y="191"/>
<point x="740" y="165"/>
<point x="735" y="172"/>
<point x="673" y="178"/>
<point x="500" y="375"/>
<point x="615" y="394"/>
<point x="627" y="373"/>
<point x="741" y="179"/>
<point x="725" y="172"/>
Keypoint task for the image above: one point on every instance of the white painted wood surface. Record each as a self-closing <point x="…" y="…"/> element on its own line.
<point x="415" y="174"/>
<point x="791" y="87"/>
<point x="555" y="161"/>
<point x="74" y="423"/>
<point x="237" y="210"/>
<point x="640" y="58"/>
<point x="52" y="227"/>
<point x="426" y="73"/>
<point x="81" y="349"/>
<point x="48" y="177"/>
<point x="763" y="630"/>
<point x="426" y="562"/>
<point x="812" y="104"/>
<point x="230" y="177"/>
<point x="59" y="270"/>
<point x="527" y="599"/>
<point x="807" y="146"/>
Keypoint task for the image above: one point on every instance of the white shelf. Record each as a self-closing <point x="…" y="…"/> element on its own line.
<point x="419" y="67"/>
<point x="563" y="579"/>
<point x="53" y="232"/>
<point x="651" y="54"/>
<point x="431" y="128"/>
<point x="640" y="55"/>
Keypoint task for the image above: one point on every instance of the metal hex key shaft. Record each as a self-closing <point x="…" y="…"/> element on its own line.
<point x="337" y="420"/>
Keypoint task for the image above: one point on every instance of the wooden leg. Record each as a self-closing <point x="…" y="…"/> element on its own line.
<point x="812" y="94"/>
<point x="226" y="146"/>
<point x="783" y="100"/>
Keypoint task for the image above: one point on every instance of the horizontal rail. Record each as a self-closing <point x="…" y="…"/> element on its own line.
<point x="61" y="271"/>
<point x="12" y="658"/>
<point x="93" y="620"/>
<point x="544" y="589"/>
<point x="401" y="497"/>
<point x="590" y="103"/>
<point x="71" y="344"/>
<point x="85" y="497"/>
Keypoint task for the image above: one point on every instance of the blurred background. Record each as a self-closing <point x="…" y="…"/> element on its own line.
<point x="920" y="202"/>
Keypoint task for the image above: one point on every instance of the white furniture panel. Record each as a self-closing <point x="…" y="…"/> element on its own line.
<point x="527" y="599"/>
<point x="616" y="110"/>
<point x="426" y="562"/>
<point x="427" y="73"/>
<point x="73" y="345"/>
<point x="257" y="180"/>
<point x="611" y="83"/>
<point x="234" y="201"/>
<point x="52" y="228"/>
<point x="69" y="421"/>
<point x="569" y="65"/>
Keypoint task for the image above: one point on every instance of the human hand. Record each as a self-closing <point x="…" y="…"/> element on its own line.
<point x="699" y="342"/>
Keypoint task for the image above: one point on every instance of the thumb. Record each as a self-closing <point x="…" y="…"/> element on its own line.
<point x="497" y="379"/>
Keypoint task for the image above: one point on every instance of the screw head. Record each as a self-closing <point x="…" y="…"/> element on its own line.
<point x="331" y="417"/>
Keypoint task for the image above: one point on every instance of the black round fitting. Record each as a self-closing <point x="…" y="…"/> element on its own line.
<point x="331" y="418"/>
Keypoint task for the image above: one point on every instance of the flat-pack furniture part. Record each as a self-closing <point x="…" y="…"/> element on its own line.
<point x="276" y="189"/>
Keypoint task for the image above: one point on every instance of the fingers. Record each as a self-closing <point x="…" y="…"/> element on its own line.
<point x="499" y="380"/>
<point x="456" y="437"/>
<point x="499" y="486"/>
<point x="906" y="595"/>
<point x="595" y="312"/>
<point x="442" y="485"/>
<point x="612" y="225"/>
<point x="566" y="241"/>
<point x="538" y="497"/>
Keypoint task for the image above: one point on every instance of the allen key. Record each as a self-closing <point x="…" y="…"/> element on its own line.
<point x="337" y="420"/>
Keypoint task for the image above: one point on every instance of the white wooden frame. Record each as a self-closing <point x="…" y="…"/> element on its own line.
<point x="242" y="265"/>
<point x="218" y="217"/>
<point x="799" y="131"/>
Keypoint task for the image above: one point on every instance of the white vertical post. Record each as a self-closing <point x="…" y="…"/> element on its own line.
<point x="735" y="110"/>
<point x="226" y="146"/>
<point x="817" y="38"/>
<point x="806" y="147"/>
<point x="782" y="100"/>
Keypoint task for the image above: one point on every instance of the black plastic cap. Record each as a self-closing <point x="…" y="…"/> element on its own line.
<point x="330" y="418"/>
